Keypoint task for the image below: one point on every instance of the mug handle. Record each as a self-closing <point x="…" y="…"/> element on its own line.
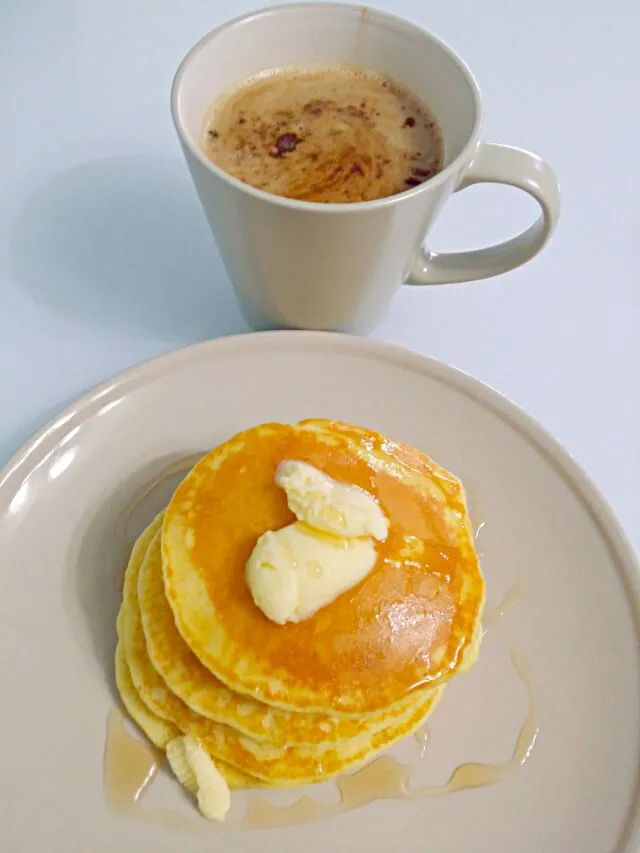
<point x="499" y="164"/>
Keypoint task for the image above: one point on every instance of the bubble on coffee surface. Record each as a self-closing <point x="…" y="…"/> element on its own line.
<point x="332" y="134"/>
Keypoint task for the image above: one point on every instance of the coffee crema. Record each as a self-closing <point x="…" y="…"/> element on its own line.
<point x="338" y="134"/>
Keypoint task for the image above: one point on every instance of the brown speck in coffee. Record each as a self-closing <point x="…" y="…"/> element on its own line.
<point x="422" y="173"/>
<point x="316" y="106"/>
<point x="409" y="121"/>
<point x="356" y="169"/>
<point x="284" y="143"/>
<point x="241" y="120"/>
<point x="413" y="182"/>
<point x="213" y="134"/>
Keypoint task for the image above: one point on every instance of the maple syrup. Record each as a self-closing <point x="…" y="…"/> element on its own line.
<point x="131" y="764"/>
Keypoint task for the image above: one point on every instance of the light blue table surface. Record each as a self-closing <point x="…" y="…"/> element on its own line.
<point x="106" y="259"/>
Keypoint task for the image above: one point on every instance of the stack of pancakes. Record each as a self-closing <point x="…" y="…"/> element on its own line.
<point x="292" y="704"/>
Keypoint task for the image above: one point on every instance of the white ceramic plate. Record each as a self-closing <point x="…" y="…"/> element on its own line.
<point x="545" y="534"/>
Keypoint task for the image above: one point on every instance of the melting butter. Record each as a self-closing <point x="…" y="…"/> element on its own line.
<point x="295" y="571"/>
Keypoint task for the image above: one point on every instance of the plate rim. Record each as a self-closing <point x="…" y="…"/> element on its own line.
<point x="40" y="445"/>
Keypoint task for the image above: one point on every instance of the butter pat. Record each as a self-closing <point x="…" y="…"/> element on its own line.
<point x="195" y="769"/>
<point x="295" y="571"/>
<point x="330" y="506"/>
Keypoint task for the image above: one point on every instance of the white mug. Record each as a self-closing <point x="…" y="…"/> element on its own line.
<point x="298" y="264"/>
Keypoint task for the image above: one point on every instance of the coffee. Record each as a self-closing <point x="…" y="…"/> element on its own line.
<point x="341" y="134"/>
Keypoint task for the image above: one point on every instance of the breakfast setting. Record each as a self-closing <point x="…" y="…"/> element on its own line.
<point x="283" y="564"/>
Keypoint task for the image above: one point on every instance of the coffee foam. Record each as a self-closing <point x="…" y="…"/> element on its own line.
<point x="327" y="134"/>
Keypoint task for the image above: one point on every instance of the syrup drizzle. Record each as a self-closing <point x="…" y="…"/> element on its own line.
<point x="385" y="778"/>
<point x="130" y="766"/>
<point x="422" y="736"/>
<point x="493" y="615"/>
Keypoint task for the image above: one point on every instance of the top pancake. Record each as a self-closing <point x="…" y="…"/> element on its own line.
<point x="155" y="648"/>
<point x="412" y="622"/>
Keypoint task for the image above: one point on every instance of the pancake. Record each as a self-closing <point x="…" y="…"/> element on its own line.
<point x="281" y="765"/>
<point x="412" y="623"/>
<point x="299" y="765"/>
<point x="159" y="731"/>
<point x="203" y="693"/>
<point x="140" y="548"/>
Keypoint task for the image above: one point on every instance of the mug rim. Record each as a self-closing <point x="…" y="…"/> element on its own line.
<point x="317" y="206"/>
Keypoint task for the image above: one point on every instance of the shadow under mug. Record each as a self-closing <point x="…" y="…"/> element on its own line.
<point x="311" y="265"/>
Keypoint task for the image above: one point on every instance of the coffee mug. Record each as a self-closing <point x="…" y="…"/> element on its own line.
<point x="310" y="265"/>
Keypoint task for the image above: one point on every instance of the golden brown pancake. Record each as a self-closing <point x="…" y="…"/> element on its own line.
<point x="283" y="764"/>
<point x="184" y="675"/>
<point x="157" y="730"/>
<point x="160" y="732"/>
<point x="411" y="623"/>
